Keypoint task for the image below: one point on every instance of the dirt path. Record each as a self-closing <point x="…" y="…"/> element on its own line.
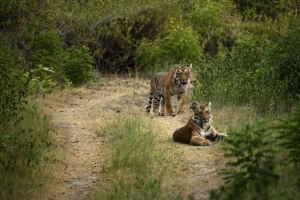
<point x="74" y="113"/>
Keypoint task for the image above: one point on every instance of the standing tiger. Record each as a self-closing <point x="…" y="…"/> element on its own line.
<point x="167" y="84"/>
<point x="198" y="131"/>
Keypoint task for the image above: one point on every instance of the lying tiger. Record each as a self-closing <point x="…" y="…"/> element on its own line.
<point x="198" y="131"/>
<point x="167" y="84"/>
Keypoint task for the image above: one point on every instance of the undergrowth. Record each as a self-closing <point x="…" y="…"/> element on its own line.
<point x="25" y="148"/>
<point x="263" y="160"/>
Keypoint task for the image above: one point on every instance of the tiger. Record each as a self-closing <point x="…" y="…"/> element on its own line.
<point x="166" y="84"/>
<point x="198" y="131"/>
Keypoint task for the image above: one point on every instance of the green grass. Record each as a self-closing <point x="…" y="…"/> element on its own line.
<point x="139" y="160"/>
<point x="25" y="147"/>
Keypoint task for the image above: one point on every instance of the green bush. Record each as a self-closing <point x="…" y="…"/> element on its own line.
<point x="42" y="82"/>
<point x="48" y="57"/>
<point x="178" y="44"/>
<point x="210" y="20"/>
<point x="250" y="173"/>
<point x="262" y="9"/>
<point x="263" y="160"/>
<point x="57" y="65"/>
<point x="283" y="57"/>
<point x="243" y="76"/>
<point x="24" y="154"/>
<point x="289" y="129"/>
<point x="78" y="67"/>
<point x="13" y="85"/>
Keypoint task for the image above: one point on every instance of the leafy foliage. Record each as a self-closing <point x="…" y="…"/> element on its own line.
<point x="178" y="45"/>
<point x="48" y="49"/>
<point x="254" y="9"/>
<point x="252" y="73"/>
<point x="289" y="130"/>
<point x="42" y="82"/>
<point x="252" y="166"/>
<point x="78" y="67"/>
<point x="24" y="145"/>
<point x="263" y="155"/>
<point x="284" y="56"/>
<point x="210" y="20"/>
<point x="13" y="86"/>
<point x="58" y="65"/>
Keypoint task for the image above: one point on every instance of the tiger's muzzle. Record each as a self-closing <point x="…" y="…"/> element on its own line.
<point x="200" y="121"/>
<point x="181" y="83"/>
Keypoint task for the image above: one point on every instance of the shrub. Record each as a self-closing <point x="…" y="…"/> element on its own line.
<point x="13" y="86"/>
<point x="284" y="58"/>
<point x="24" y="147"/>
<point x="42" y="82"/>
<point x="250" y="172"/>
<point x="243" y="76"/>
<point x="57" y="65"/>
<point x="178" y="44"/>
<point x="263" y="160"/>
<point x="289" y="129"/>
<point x="78" y="67"/>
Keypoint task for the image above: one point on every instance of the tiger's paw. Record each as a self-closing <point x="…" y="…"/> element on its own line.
<point x="221" y="136"/>
<point x="161" y="114"/>
<point x="206" y="143"/>
<point x="199" y="141"/>
<point x="171" y="114"/>
<point x="157" y="113"/>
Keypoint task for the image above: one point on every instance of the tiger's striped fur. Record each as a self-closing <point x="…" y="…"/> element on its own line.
<point x="167" y="84"/>
<point x="198" y="131"/>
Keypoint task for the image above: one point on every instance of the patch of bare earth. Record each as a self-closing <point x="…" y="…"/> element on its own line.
<point x="78" y="170"/>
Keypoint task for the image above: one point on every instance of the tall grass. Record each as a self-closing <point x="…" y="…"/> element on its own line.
<point x="25" y="148"/>
<point x="138" y="162"/>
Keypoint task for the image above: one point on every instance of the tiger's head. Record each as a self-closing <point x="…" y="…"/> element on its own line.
<point x="182" y="75"/>
<point x="202" y="114"/>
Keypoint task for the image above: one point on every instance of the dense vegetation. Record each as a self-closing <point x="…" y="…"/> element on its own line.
<point x="264" y="160"/>
<point x="246" y="53"/>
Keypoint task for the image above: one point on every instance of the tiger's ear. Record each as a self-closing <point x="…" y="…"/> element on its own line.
<point x="209" y="104"/>
<point x="190" y="65"/>
<point x="176" y="66"/>
<point x="194" y="106"/>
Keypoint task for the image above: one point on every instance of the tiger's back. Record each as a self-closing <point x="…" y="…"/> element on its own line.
<point x="183" y="134"/>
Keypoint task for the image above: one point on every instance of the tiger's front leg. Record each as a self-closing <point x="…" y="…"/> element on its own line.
<point x="180" y="98"/>
<point x="169" y="110"/>
<point x="220" y="136"/>
<point x="199" y="141"/>
<point x="215" y="135"/>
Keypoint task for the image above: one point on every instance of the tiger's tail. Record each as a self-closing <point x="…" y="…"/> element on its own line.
<point x="148" y="107"/>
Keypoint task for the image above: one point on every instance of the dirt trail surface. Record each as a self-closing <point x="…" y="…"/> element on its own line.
<point x="75" y="113"/>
